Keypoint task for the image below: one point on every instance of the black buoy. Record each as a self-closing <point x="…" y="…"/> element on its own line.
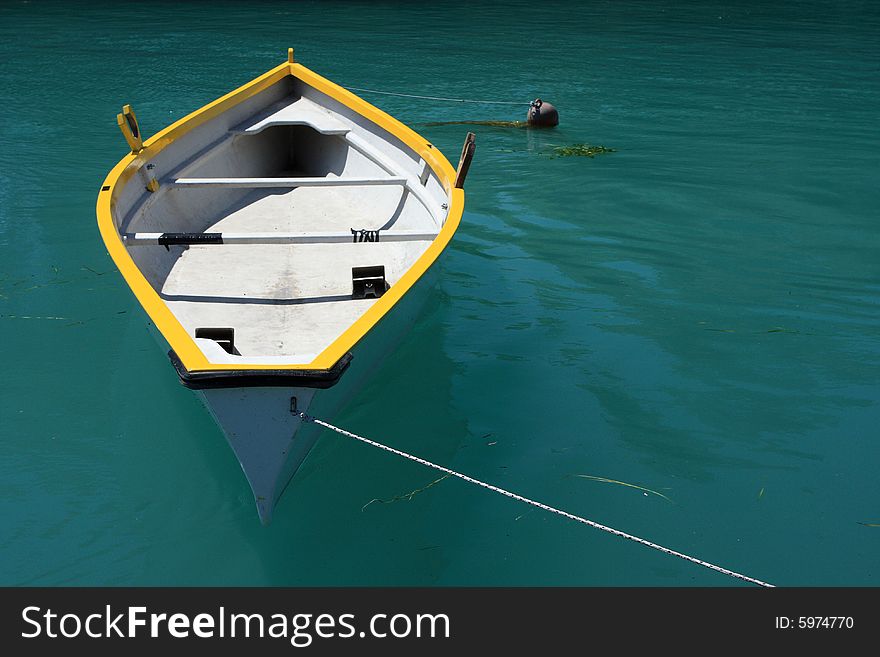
<point x="542" y="115"/>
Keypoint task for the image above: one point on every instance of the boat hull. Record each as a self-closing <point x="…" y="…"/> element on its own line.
<point x="261" y="424"/>
<point x="258" y="294"/>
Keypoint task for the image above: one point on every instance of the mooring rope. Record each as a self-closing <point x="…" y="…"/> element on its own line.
<point x="545" y="507"/>
<point x="452" y="100"/>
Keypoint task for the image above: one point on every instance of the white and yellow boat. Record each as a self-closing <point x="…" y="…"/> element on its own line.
<point x="281" y="240"/>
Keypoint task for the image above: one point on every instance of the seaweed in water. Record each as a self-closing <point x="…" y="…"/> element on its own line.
<point x="624" y="483"/>
<point x="580" y="150"/>
<point x="406" y="496"/>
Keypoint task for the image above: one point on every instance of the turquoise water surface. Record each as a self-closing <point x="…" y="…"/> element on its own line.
<point x="696" y="313"/>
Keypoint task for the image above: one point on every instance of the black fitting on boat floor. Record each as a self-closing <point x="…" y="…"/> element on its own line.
<point x="368" y="282"/>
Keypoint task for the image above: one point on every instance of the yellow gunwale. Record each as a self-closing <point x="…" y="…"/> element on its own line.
<point x="180" y="341"/>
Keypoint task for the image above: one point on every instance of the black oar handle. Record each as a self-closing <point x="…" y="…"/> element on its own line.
<point x="171" y="239"/>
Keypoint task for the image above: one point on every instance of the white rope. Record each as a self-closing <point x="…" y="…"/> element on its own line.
<point x="571" y="516"/>
<point x="453" y="100"/>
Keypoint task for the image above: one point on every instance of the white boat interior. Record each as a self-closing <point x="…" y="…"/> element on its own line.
<point x="296" y="185"/>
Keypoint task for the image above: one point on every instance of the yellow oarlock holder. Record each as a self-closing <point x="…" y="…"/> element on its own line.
<point x="128" y="123"/>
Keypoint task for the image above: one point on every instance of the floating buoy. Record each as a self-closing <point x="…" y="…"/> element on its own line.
<point x="542" y="115"/>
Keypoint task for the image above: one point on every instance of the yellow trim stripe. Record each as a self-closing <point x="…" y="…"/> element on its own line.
<point x="173" y="332"/>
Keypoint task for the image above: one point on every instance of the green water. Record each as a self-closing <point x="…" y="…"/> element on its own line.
<point x="695" y="313"/>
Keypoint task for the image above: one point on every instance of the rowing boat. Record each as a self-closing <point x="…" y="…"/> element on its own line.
<point x="282" y="240"/>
